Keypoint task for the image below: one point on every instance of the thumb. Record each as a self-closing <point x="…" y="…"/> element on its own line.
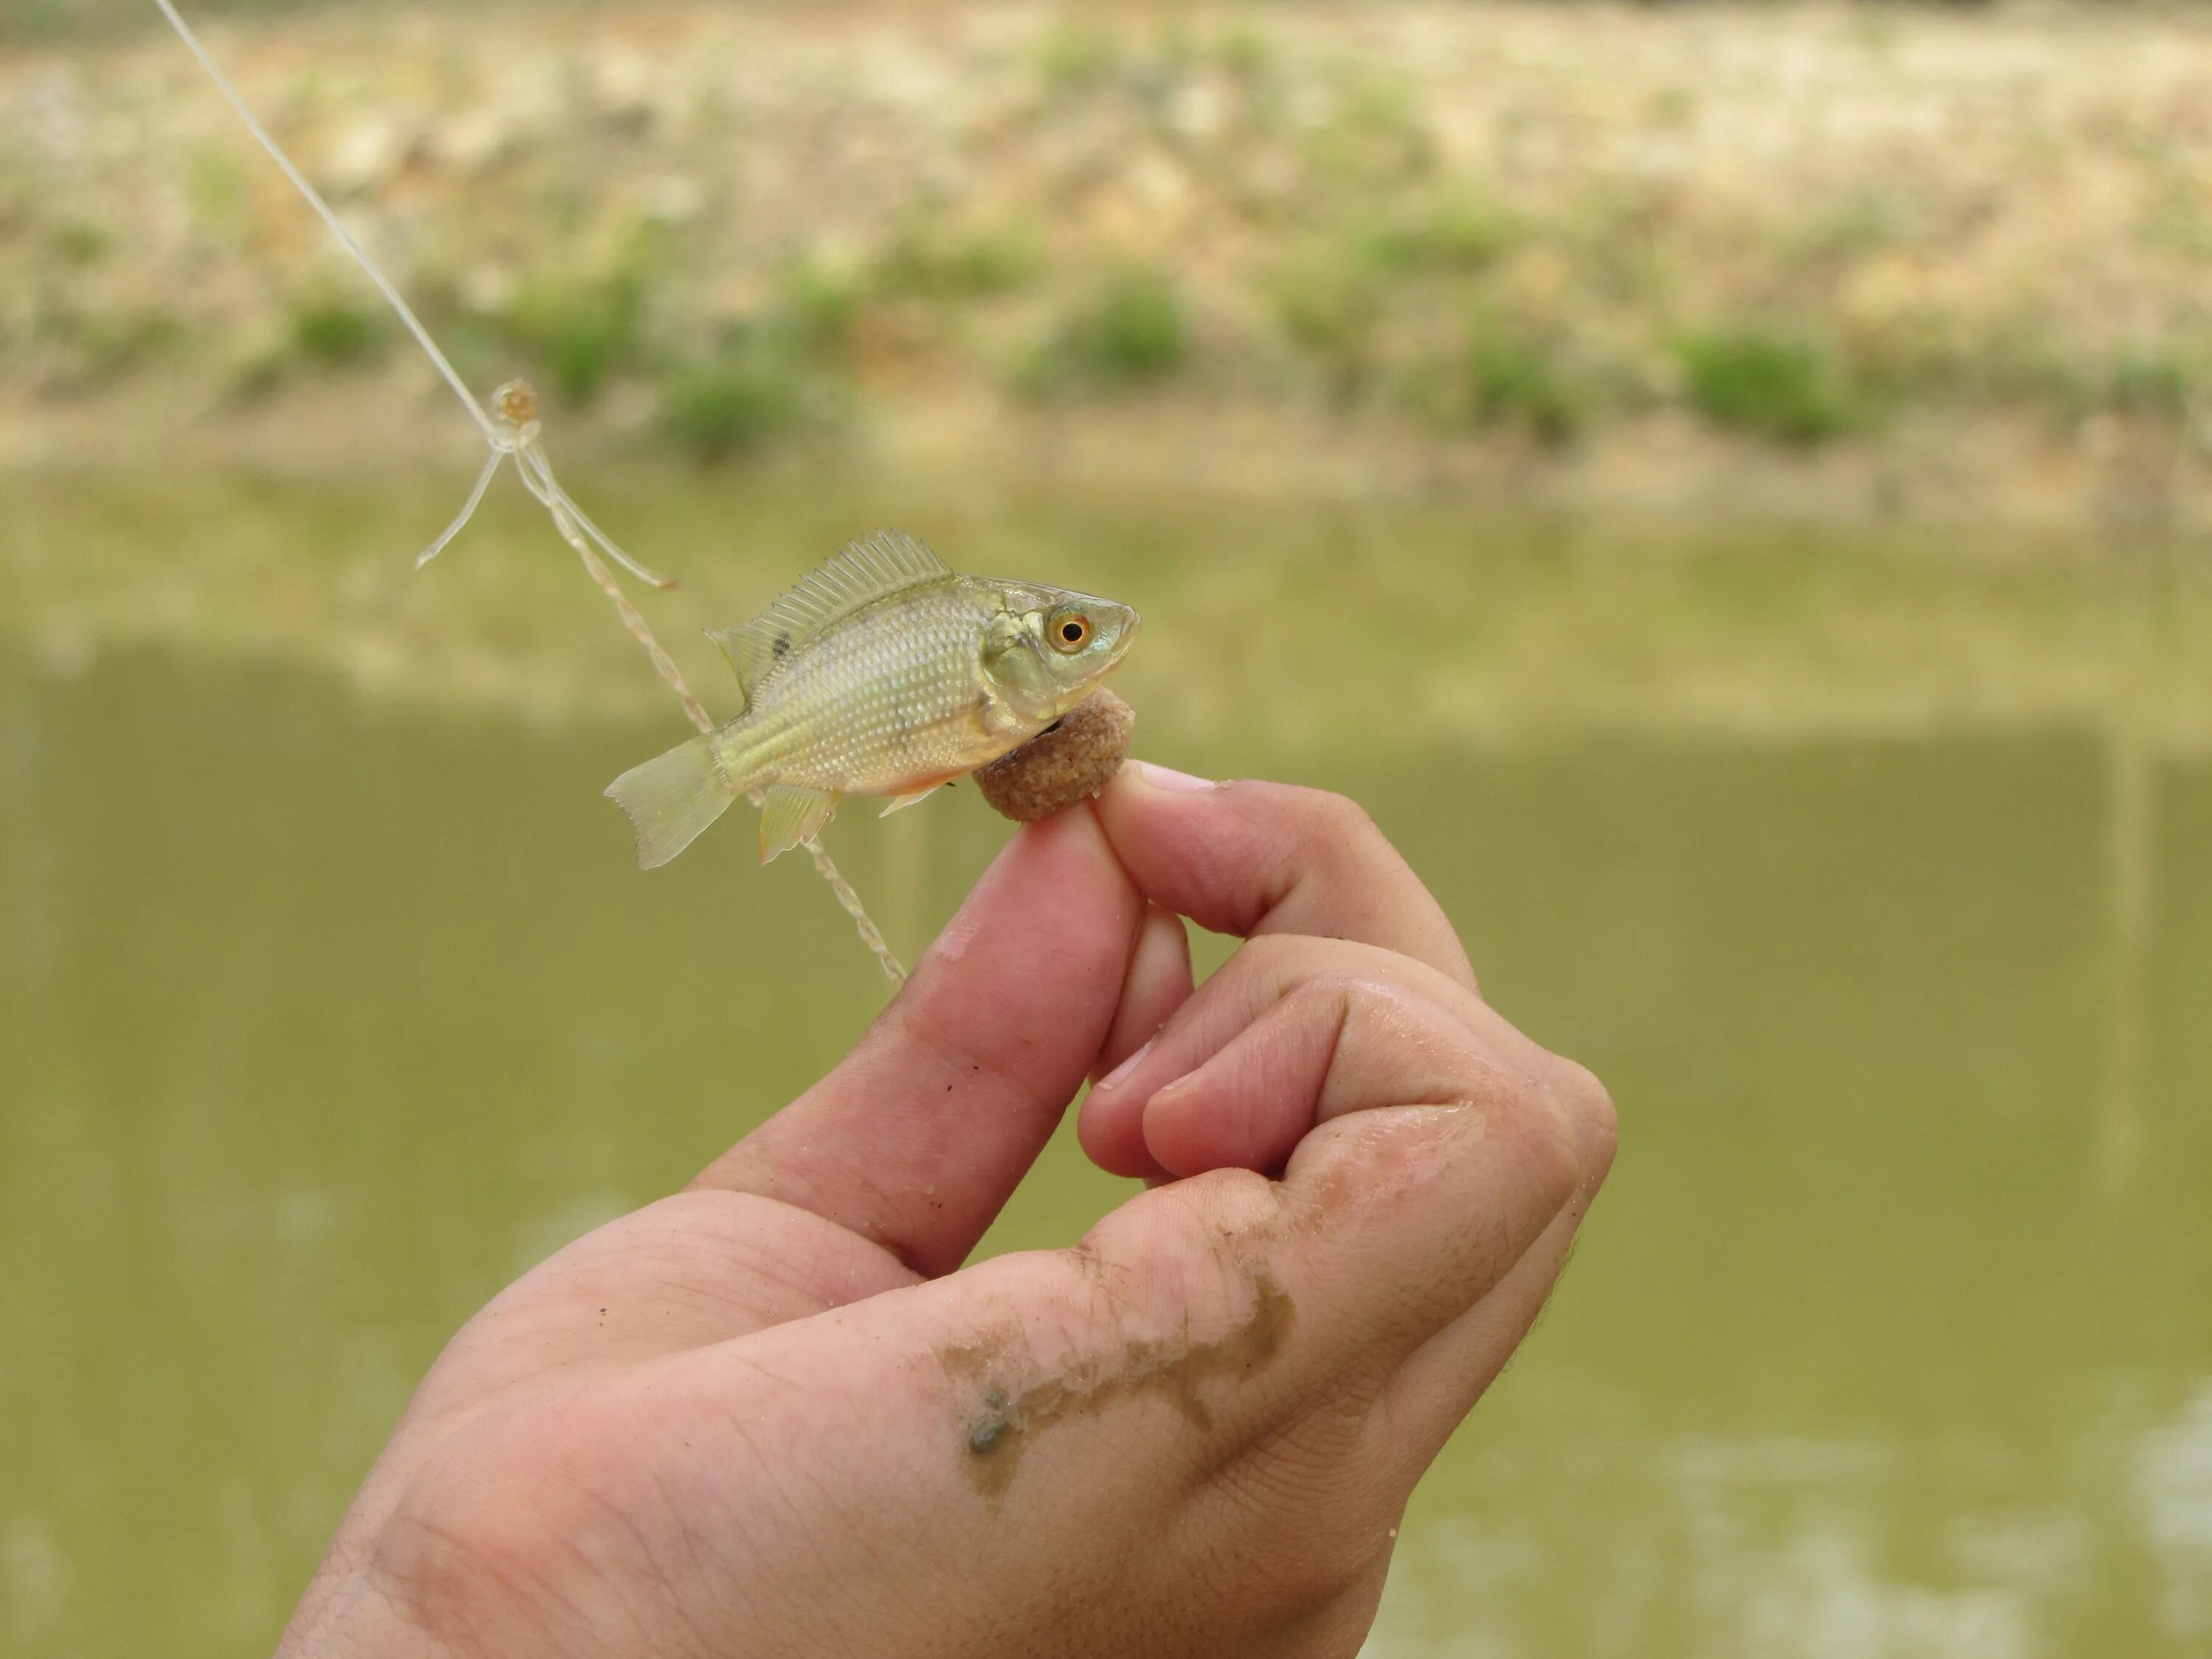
<point x="917" y="1139"/>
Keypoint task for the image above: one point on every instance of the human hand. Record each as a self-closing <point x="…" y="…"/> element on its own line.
<point x="772" y="1415"/>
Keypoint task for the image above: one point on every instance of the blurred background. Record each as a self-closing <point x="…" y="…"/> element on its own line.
<point x="1729" y="487"/>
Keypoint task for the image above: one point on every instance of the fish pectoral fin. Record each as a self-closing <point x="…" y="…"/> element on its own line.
<point x="998" y="716"/>
<point x="909" y="799"/>
<point x="790" y="816"/>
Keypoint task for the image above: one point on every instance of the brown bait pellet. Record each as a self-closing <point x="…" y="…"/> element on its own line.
<point x="1068" y="762"/>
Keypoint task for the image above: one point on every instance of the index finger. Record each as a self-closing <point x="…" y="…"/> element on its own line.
<point x="1250" y="858"/>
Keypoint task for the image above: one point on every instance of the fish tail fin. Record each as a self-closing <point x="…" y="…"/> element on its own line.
<point x="672" y="797"/>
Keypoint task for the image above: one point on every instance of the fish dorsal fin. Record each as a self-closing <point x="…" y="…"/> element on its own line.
<point x="858" y="574"/>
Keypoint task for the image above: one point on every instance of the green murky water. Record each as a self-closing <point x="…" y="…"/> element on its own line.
<point x="323" y="1014"/>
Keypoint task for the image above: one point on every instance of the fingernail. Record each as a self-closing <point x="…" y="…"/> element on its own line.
<point x="1127" y="1066"/>
<point x="1164" y="777"/>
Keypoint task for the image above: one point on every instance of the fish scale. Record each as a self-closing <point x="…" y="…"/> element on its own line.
<point x="890" y="699"/>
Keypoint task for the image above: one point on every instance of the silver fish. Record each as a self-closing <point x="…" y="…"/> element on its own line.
<point x="882" y="673"/>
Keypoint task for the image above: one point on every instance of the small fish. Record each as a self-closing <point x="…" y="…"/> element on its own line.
<point x="882" y="673"/>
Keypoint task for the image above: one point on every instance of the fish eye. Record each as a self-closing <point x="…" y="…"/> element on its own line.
<point x="1069" y="631"/>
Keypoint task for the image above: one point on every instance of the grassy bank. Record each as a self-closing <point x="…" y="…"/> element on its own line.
<point x="1580" y="250"/>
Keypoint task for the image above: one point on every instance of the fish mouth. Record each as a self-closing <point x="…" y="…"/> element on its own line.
<point x="1130" y="629"/>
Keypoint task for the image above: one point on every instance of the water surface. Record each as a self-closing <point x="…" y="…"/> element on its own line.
<point x="323" y="1014"/>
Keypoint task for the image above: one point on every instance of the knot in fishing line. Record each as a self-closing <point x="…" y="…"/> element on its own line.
<point x="514" y="408"/>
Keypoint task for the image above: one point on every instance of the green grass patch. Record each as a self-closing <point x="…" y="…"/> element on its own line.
<point x="1329" y="307"/>
<point x="258" y="375"/>
<point x="2154" y="379"/>
<point x="1132" y="331"/>
<point x="2017" y="364"/>
<point x="1772" y="383"/>
<point x="37" y="21"/>
<point x="925" y="265"/>
<point x="1865" y="222"/>
<point x="82" y="243"/>
<point x="743" y="399"/>
<point x="1078" y="59"/>
<point x="1461" y="234"/>
<point x="1384" y="104"/>
<point x="2151" y="382"/>
<point x="769" y="378"/>
<point x="814" y="308"/>
<point x="1377" y="141"/>
<point x="215" y="186"/>
<point x="1520" y="378"/>
<point x="579" y="336"/>
<point x="766" y="379"/>
<point x="2179" y="220"/>
<point x="339" y="334"/>
<point x="1245" y="53"/>
<point x="102" y="347"/>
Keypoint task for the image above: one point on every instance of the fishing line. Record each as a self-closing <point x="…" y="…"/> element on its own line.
<point x="384" y="284"/>
<point x="511" y="428"/>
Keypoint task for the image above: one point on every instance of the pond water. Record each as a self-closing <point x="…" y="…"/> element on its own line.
<point x="324" y="1012"/>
